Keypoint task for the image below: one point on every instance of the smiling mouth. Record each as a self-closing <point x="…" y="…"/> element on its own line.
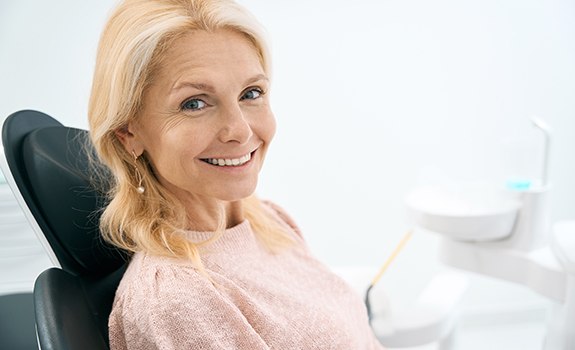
<point x="229" y="161"/>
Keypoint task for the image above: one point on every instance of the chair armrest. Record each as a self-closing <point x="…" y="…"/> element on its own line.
<point x="63" y="317"/>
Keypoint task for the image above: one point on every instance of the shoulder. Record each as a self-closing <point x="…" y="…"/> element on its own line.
<point x="161" y="301"/>
<point x="155" y="297"/>
<point x="281" y="215"/>
<point x="159" y="274"/>
<point x="150" y="280"/>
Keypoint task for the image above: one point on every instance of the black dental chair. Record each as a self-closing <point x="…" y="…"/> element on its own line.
<point x="50" y="168"/>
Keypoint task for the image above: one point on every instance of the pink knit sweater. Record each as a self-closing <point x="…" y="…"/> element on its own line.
<point x="263" y="300"/>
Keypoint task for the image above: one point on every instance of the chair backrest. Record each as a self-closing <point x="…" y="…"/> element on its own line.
<point x="50" y="169"/>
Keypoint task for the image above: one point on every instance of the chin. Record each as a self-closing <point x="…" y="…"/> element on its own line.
<point x="237" y="194"/>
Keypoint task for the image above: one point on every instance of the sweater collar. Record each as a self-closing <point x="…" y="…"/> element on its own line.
<point x="239" y="237"/>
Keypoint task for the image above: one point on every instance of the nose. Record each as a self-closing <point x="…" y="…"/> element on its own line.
<point x="235" y="126"/>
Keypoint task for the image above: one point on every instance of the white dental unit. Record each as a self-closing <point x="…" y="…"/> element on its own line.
<point x="507" y="234"/>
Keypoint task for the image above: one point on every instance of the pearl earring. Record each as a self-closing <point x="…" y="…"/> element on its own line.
<point x="141" y="189"/>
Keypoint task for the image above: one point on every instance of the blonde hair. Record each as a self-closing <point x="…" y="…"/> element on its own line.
<point x="131" y="50"/>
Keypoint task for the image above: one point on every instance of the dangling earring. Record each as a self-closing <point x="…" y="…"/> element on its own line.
<point x="141" y="189"/>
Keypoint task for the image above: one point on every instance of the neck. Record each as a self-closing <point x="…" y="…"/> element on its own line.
<point x="215" y="215"/>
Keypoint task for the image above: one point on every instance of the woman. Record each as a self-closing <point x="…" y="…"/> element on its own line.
<point x="180" y="114"/>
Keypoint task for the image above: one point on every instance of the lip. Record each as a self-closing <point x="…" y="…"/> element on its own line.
<point x="233" y="157"/>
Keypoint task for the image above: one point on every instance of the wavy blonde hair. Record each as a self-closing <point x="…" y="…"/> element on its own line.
<point x="131" y="49"/>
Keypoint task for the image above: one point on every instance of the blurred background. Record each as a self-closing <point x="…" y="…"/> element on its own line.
<point x="372" y="99"/>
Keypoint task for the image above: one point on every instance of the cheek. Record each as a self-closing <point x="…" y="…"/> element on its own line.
<point x="268" y="129"/>
<point x="266" y="133"/>
<point x="172" y="148"/>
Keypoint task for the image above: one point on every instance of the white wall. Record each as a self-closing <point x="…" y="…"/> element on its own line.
<point x="372" y="98"/>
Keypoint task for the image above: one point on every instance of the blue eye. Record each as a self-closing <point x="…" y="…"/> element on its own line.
<point x="193" y="104"/>
<point x="251" y="94"/>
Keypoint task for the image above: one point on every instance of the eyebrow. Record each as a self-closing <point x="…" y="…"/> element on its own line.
<point x="211" y="89"/>
<point x="257" y="78"/>
<point x="197" y="86"/>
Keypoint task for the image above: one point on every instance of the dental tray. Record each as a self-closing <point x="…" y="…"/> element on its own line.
<point x="464" y="212"/>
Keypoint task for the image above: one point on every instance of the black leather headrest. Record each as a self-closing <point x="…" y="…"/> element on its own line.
<point x="62" y="184"/>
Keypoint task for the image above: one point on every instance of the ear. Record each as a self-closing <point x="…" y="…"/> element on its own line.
<point x="129" y="139"/>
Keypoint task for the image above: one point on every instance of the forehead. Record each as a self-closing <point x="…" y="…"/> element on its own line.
<point x="200" y="52"/>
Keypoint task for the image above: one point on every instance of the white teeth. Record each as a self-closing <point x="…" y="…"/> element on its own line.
<point x="229" y="162"/>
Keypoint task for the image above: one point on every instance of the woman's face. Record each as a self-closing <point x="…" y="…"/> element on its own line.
<point x="206" y="122"/>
